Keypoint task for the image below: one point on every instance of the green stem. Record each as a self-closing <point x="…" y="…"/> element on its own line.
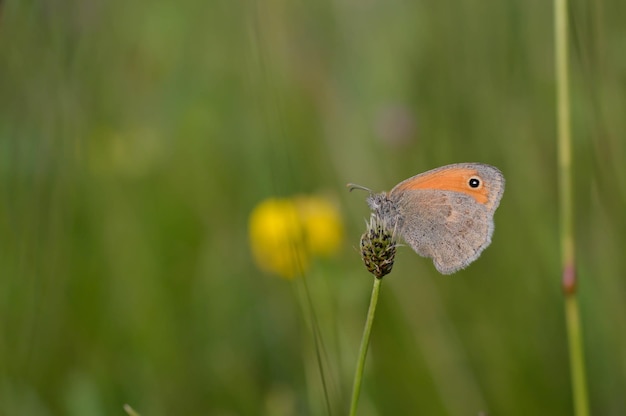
<point x="358" y="374"/>
<point x="577" y="361"/>
<point x="566" y="213"/>
<point x="130" y="410"/>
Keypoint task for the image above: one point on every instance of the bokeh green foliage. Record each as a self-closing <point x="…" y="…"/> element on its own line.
<point x="136" y="138"/>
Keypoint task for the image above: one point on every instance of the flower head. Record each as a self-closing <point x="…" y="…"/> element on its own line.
<point x="378" y="247"/>
<point x="286" y="233"/>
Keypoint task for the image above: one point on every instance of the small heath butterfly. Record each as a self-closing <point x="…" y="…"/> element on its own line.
<point x="445" y="214"/>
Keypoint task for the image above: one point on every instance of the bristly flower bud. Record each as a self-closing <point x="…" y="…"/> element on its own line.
<point x="378" y="247"/>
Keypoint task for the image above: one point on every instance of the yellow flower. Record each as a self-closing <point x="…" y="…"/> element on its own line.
<point x="323" y="229"/>
<point x="276" y="238"/>
<point x="286" y="233"/>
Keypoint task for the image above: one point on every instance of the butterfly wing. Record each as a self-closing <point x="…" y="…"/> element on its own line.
<point x="442" y="217"/>
<point x="446" y="227"/>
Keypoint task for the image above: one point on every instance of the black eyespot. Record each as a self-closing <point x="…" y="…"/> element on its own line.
<point x="474" y="182"/>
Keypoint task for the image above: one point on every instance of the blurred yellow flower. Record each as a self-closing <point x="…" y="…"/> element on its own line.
<point x="286" y="233"/>
<point x="323" y="229"/>
<point x="276" y="238"/>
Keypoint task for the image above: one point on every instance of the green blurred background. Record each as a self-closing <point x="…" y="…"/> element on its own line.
<point x="137" y="137"/>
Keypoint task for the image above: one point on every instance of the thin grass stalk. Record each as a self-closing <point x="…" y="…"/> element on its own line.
<point x="130" y="411"/>
<point x="365" y="340"/>
<point x="566" y="213"/>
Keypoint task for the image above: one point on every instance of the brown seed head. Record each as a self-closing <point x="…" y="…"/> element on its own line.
<point x="378" y="247"/>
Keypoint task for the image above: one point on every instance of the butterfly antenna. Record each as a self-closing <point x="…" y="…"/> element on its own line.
<point x="352" y="187"/>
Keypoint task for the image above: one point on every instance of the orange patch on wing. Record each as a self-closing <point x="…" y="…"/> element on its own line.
<point x="455" y="180"/>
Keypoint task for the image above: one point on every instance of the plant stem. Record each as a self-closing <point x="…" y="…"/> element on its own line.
<point x="566" y="213"/>
<point x="577" y="361"/>
<point x="130" y="410"/>
<point x="365" y="340"/>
